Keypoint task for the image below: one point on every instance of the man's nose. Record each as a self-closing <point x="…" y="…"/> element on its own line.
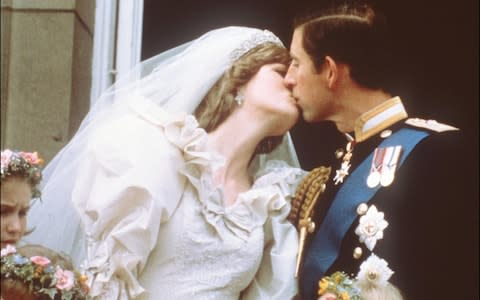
<point x="289" y="79"/>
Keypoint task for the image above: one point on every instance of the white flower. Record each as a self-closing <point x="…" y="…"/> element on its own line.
<point x="374" y="270"/>
<point x="6" y="157"/>
<point x="8" y="250"/>
<point x="371" y="226"/>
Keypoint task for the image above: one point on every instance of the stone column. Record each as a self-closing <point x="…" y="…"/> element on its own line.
<point x="46" y="59"/>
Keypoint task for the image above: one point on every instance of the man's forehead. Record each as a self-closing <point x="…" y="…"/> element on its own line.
<point x="296" y="44"/>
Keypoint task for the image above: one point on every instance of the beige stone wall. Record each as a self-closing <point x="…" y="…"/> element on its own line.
<point x="46" y="63"/>
<point x="5" y="29"/>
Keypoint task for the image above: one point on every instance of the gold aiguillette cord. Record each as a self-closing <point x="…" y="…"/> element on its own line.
<point x="301" y="214"/>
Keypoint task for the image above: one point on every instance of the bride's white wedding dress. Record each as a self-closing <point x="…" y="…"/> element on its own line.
<point x="151" y="213"/>
<point x="138" y="180"/>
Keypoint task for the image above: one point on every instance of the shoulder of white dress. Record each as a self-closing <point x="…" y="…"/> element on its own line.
<point x="155" y="113"/>
<point x="432" y="125"/>
<point x="279" y="173"/>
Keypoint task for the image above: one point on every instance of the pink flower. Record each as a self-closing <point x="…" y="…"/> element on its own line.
<point x="328" y="296"/>
<point x="6" y="157"/>
<point x="65" y="279"/>
<point x="32" y="158"/>
<point x="40" y="260"/>
<point x="8" y="249"/>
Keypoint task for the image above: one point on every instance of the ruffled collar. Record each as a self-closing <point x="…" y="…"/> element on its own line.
<point x="251" y="209"/>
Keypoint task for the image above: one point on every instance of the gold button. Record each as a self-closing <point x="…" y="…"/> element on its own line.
<point x="357" y="253"/>
<point x="362" y="209"/>
<point x="386" y="133"/>
<point x="372" y="276"/>
<point x="339" y="153"/>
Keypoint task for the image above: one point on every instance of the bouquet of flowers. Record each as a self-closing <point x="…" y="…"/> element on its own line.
<point x="340" y="285"/>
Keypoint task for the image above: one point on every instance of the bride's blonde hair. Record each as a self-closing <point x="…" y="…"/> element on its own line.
<point x="219" y="102"/>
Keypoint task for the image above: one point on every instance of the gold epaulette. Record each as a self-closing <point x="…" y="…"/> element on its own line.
<point x="429" y="124"/>
<point x="303" y="204"/>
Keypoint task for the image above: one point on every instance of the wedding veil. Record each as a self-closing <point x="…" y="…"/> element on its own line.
<point x="177" y="80"/>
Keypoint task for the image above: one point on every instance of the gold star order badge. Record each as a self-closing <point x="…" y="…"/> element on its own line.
<point x="341" y="173"/>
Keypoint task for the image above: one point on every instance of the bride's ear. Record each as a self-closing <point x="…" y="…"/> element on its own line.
<point x="331" y="71"/>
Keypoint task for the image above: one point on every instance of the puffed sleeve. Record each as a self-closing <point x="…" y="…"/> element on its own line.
<point x="275" y="278"/>
<point x="128" y="186"/>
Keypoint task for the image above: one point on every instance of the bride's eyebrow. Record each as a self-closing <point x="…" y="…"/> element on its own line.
<point x="7" y="207"/>
<point x="279" y="66"/>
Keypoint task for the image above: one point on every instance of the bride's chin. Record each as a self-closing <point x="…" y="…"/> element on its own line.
<point x="286" y="128"/>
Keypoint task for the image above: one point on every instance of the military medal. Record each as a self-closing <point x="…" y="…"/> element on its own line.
<point x="384" y="164"/>
<point x="392" y="155"/>
<point x="374" y="177"/>
<point x="341" y="173"/>
<point x="387" y="178"/>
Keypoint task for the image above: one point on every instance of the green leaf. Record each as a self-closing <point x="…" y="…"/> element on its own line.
<point x="50" y="292"/>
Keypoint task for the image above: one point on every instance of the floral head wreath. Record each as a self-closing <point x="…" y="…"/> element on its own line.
<point x="23" y="164"/>
<point x="42" y="277"/>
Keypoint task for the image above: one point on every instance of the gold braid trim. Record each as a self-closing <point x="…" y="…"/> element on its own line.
<point x="307" y="194"/>
<point x="303" y="204"/>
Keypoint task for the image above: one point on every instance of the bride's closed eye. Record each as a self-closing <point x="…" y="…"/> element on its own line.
<point x="280" y="69"/>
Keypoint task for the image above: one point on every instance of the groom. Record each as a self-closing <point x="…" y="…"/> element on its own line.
<point x="398" y="190"/>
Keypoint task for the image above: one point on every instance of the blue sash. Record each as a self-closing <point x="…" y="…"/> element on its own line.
<point x="326" y="243"/>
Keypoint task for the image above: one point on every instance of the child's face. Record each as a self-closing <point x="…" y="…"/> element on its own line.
<point x="15" y="198"/>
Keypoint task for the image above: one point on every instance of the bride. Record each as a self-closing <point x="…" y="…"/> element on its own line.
<point x="181" y="177"/>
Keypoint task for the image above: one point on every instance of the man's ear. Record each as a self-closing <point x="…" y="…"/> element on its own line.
<point x="331" y="71"/>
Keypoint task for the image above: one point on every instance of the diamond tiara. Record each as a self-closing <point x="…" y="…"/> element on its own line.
<point x="256" y="39"/>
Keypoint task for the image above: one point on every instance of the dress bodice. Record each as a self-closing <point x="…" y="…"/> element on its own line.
<point x="213" y="251"/>
<point x="199" y="260"/>
<point x="161" y="230"/>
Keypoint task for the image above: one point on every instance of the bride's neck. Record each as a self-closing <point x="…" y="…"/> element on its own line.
<point x="236" y="142"/>
<point x="235" y="146"/>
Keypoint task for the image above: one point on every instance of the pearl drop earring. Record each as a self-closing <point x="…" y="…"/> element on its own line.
<point x="239" y="99"/>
